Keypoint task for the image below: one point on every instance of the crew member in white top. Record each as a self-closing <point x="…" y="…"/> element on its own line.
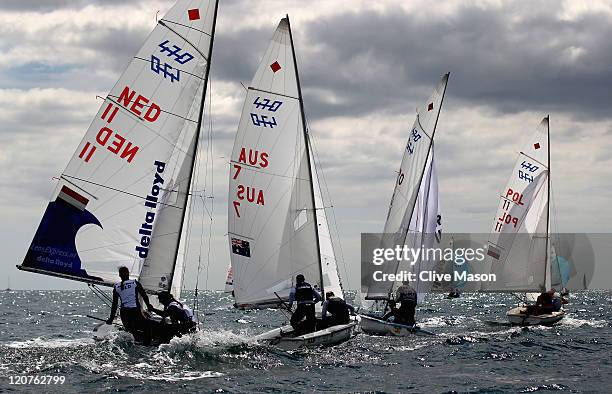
<point x="132" y="316"/>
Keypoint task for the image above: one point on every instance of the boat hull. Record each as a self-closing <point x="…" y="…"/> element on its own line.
<point x="282" y="337"/>
<point x="518" y="316"/>
<point x="374" y="326"/>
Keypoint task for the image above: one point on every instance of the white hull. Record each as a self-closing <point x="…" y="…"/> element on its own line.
<point x="282" y="337"/>
<point x="374" y="326"/>
<point x="519" y="316"/>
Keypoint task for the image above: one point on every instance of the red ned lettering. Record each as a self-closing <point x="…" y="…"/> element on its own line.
<point x="103" y="135"/>
<point x="139" y="104"/>
<point x="116" y="145"/>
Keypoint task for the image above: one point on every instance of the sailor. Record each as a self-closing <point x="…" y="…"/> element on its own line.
<point x="306" y="297"/>
<point x="338" y="309"/>
<point x="407" y="296"/>
<point x="179" y="313"/>
<point x="131" y="312"/>
<point x="543" y="305"/>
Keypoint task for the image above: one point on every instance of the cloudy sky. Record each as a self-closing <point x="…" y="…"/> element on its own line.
<point x="365" y="66"/>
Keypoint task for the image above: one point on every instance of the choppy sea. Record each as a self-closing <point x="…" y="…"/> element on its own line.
<point x="47" y="333"/>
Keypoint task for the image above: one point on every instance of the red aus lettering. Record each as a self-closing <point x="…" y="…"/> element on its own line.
<point x="254" y="158"/>
<point x="251" y="194"/>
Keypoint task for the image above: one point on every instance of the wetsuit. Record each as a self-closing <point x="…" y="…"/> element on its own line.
<point x="180" y="315"/>
<point x="306" y="297"/>
<point x="408" y="298"/>
<point x="339" y="311"/>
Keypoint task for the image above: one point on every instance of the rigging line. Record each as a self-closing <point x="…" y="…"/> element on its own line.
<point x="200" y="117"/>
<point x="209" y="156"/>
<point x="114" y="99"/>
<point x="257" y="169"/>
<point x="320" y="162"/>
<point x="117" y="190"/>
<point x="161" y="22"/>
<point x="187" y="26"/>
<point x="141" y="122"/>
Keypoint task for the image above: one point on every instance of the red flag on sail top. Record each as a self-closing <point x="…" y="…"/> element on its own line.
<point x="275" y="67"/>
<point x="194" y="14"/>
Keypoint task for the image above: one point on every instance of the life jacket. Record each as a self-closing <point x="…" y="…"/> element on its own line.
<point x="304" y="293"/>
<point x="127" y="293"/>
<point x="407" y="293"/>
<point x="337" y="307"/>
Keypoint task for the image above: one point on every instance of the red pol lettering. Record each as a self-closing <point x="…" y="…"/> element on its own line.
<point x="516" y="197"/>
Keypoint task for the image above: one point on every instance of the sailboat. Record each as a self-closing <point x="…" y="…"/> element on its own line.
<point x="519" y="246"/>
<point x="277" y="225"/>
<point x="413" y="218"/>
<point x="124" y="198"/>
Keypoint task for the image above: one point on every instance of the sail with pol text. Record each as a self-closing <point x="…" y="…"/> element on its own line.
<point x="277" y="224"/>
<point x="123" y="198"/>
<point x="413" y="218"/>
<point x="519" y="247"/>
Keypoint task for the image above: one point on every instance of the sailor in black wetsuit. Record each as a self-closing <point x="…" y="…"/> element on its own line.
<point x="338" y="309"/>
<point x="131" y="313"/>
<point x="306" y="298"/>
<point x="181" y="316"/>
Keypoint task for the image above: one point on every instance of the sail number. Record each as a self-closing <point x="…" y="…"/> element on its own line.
<point x="114" y="142"/>
<point x="415" y="136"/>
<point x="251" y="158"/>
<point x="260" y="120"/>
<point x="505" y="218"/>
<point x="166" y="69"/>
<point x="529" y="168"/>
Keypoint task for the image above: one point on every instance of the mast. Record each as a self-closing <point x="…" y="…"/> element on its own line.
<point x="197" y="136"/>
<point x="307" y="145"/>
<point x="546" y="252"/>
<point x="427" y="158"/>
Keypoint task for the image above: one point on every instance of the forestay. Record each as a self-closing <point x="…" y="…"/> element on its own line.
<point x="518" y="244"/>
<point x="413" y="212"/>
<point x="121" y="200"/>
<point x="271" y="212"/>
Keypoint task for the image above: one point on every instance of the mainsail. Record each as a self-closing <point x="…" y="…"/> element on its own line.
<point x="413" y="217"/>
<point x="276" y="221"/>
<point x="518" y="246"/>
<point x="123" y="198"/>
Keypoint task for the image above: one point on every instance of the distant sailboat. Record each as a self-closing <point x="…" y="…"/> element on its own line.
<point x="8" y="283"/>
<point x="123" y="199"/>
<point x="277" y="224"/>
<point x="414" y="216"/>
<point x="519" y="247"/>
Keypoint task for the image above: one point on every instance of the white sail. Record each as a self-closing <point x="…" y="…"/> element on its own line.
<point x="518" y="245"/>
<point x="425" y="225"/>
<point x="130" y="173"/>
<point x="271" y="211"/>
<point x="410" y="202"/>
<point x="329" y="264"/>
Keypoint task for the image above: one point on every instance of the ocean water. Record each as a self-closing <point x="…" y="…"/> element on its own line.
<point x="47" y="333"/>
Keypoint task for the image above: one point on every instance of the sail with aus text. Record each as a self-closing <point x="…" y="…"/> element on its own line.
<point x="123" y="197"/>
<point x="274" y="195"/>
